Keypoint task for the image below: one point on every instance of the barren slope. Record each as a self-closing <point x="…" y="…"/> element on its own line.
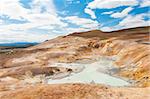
<point x="31" y="66"/>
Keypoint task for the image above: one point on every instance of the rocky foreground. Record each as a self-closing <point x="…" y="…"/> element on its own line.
<point x="31" y="73"/>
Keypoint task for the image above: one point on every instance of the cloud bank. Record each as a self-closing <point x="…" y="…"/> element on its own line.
<point x="39" y="20"/>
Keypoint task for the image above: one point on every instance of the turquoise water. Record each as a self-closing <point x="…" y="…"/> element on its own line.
<point x="97" y="72"/>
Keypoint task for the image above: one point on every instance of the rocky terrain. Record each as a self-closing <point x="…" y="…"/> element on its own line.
<point x="86" y="65"/>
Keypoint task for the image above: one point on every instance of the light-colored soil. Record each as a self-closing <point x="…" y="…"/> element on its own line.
<point x="23" y="71"/>
<point x="76" y="91"/>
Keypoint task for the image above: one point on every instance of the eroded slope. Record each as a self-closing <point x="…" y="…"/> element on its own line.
<point x="30" y="66"/>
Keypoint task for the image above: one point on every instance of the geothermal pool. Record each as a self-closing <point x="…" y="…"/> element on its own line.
<point x="97" y="72"/>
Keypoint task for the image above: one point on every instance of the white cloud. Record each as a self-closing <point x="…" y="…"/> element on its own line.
<point x="90" y="12"/>
<point x="1" y="22"/>
<point x="123" y="13"/>
<point x="22" y="36"/>
<point x="83" y="22"/>
<point x="56" y="25"/>
<point x="15" y="10"/>
<point x="108" y="4"/>
<point x="134" y="21"/>
<point x="12" y="8"/>
<point x="145" y="3"/>
<point x="129" y="22"/>
<point x="48" y="20"/>
<point x="80" y="29"/>
<point x="107" y="29"/>
<point x="48" y="5"/>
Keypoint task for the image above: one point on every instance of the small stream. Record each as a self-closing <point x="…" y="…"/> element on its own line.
<point x="99" y="71"/>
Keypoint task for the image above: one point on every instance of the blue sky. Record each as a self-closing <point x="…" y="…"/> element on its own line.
<point x="39" y="20"/>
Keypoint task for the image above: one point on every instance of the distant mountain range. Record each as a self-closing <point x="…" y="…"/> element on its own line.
<point x="18" y="44"/>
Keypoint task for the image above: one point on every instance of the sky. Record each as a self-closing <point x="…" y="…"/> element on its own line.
<point x="40" y="20"/>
